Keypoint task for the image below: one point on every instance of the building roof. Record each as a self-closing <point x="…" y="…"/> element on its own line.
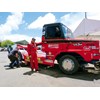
<point x="87" y="26"/>
<point x="22" y="42"/>
<point x="90" y="37"/>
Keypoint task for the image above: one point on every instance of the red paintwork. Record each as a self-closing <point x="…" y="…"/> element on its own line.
<point x="54" y="47"/>
<point x="19" y="46"/>
<point x="85" y="48"/>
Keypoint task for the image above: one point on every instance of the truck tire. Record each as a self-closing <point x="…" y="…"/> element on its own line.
<point x="68" y="64"/>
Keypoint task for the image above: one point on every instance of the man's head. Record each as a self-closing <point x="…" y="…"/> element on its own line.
<point x="57" y="29"/>
<point x="33" y="40"/>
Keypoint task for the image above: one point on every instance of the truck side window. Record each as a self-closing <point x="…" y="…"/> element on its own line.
<point x="67" y="32"/>
<point x="53" y="32"/>
<point x="43" y="31"/>
<point x="50" y="32"/>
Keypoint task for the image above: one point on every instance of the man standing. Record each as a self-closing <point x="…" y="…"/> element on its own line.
<point x="32" y="52"/>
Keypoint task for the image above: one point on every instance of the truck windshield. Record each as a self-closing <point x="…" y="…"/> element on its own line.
<point x="67" y="32"/>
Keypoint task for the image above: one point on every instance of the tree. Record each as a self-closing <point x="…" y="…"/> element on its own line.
<point x="6" y="42"/>
<point x="0" y="43"/>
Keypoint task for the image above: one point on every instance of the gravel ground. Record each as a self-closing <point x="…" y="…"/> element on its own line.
<point x="47" y="77"/>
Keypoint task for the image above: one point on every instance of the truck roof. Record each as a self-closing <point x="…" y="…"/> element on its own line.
<point x="51" y="24"/>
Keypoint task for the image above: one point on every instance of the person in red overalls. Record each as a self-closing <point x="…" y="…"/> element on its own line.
<point x="32" y="52"/>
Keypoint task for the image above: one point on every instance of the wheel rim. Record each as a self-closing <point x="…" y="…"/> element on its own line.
<point x="68" y="64"/>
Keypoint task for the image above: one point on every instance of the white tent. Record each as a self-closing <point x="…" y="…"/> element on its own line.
<point x="87" y="26"/>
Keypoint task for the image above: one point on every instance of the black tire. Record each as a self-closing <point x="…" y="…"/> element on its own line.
<point x="72" y="64"/>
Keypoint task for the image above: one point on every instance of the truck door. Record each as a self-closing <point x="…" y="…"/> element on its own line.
<point x="51" y="33"/>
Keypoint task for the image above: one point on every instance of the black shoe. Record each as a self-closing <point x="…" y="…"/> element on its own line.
<point x="17" y="66"/>
<point x="11" y="66"/>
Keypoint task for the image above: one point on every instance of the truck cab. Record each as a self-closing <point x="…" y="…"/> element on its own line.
<point x="56" y="31"/>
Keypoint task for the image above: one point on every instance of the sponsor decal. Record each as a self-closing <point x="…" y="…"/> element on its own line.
<point x="27" y="59"/>
<point x="53" y="46"/>
<point x="90" y="47"/>
<point x="39" y="60"/>
<point x="77" y="44"/>
<point x="86" y="48"/>
<point x="50" y="61"/>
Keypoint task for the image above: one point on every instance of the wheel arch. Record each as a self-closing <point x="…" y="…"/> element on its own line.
<point x="77" y="56"/>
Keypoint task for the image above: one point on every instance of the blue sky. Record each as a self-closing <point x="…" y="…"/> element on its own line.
<point x="25" y="25"/>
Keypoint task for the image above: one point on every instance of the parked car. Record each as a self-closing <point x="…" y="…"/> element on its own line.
<point x="1" y="49"/>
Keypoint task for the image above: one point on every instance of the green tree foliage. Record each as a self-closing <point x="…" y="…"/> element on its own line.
<point x="6" y="42"/>
<point x="0" y="44"/>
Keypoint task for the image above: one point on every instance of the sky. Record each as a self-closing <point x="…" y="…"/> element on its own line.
<point x="25" y="25"/>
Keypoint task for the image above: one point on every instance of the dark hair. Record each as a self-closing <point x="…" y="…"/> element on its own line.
<point x="33" y="39"/>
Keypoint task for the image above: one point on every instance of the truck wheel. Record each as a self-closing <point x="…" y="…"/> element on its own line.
<point x="68" y="64"/>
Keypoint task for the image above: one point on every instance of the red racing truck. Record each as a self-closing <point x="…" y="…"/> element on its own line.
<point x="71" y="54"/>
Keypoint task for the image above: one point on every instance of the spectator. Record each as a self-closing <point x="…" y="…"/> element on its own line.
<point x="9" y="48"/>
<point x="14" y="58"/>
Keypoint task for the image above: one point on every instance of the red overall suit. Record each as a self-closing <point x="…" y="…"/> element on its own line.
<point x="33" y="56"/>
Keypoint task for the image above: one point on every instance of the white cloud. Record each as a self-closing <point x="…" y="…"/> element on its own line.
<point x="18" y="37"/>
<point x="40" y="21"/>
<point x="93" y="15"/>
<point x="12" y="23"/>
<point x="72" y="20"/>
<point x="38" y="39"/>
